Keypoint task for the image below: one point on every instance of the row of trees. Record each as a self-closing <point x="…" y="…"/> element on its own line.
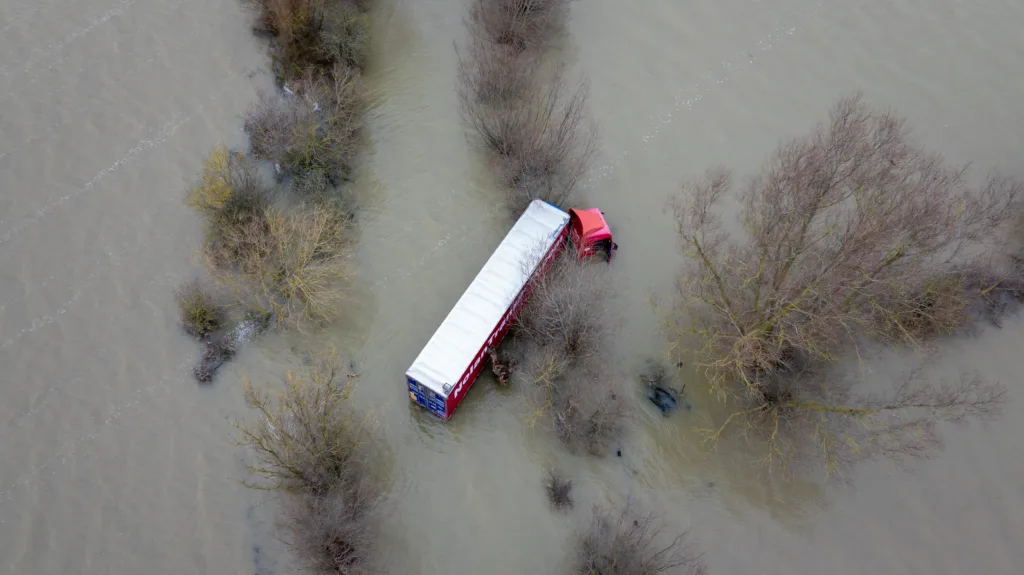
<point x="535" y="128"/>
<point x="852" y="235"/>
<point x="280" y="253"/>
<point x="533" y="124"/>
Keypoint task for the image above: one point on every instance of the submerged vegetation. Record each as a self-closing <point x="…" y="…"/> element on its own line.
<point x="314" y="36"/>
<point x="283" y="249"/>
<point x="535" y="127"/>
<point x="854" y="234"/>
<point x="559" y="490"/>
<point x="560" y="340"/>
<point x="200" y="315"/>
<point x="314" y="129"/>
<point x="314" y="450"/>
<point x="628" y="541"/>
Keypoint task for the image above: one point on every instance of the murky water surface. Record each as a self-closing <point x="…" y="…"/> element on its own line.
<point x="113" y="461"/>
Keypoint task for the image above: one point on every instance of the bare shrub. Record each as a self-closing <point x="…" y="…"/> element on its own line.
<point x="312" y="130"/>
<point x="199" y="312"/>
<point x="314" y="35"/>
<point x="294" y="265"/>
<point x="559" y="490"/>
<point x="333" y="534"/>
<point x="560" y="337"/>
<point x="852" y="231"/>
<point x="631" y="542"/>
<point x="313" y="448"/>
<point x="568" y="308"/>
<point x="542" y="142"/>
<point x="306" y="440"/>
<point x="494" y="75"/>
<point x="517" y="24"/>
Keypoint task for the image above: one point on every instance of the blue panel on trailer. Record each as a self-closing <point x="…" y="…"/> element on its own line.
<point x="425" y="397"/>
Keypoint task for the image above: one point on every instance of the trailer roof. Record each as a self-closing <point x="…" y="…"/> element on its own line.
<point x="461" y="335"/>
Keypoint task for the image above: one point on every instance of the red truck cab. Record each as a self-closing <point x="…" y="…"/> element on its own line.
<point x="591" y="233"/>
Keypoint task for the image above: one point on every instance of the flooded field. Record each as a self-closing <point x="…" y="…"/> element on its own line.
<point x="112" y="460"/>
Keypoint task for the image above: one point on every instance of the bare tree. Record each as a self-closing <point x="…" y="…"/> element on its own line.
<point x="313" y="449"/>
<point x="542" y="143"/>
<point x="333" y="533"/>
<point x="517" y="24"/>
<point x="494" y="75"/>
<point x="306" y="440"/>
<point x="852" y="231"/>
<point x="537" y="130"/>
<point x="560" y="340"/>
<point x="631" y="542"/>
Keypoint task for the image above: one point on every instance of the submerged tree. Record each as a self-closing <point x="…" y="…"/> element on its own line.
<point x="560" y="341"/>
<point x="850" y="232"/>
<point x="313" y="449"/>
<point x="629" y="541"/>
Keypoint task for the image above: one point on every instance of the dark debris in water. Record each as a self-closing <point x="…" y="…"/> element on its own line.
<point x="660" y="392"/>
<point x="215" y="353"/>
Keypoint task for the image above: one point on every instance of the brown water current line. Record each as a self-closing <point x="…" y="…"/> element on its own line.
<point x="719" y="77"/>
<point x="60" y="44"/>
<point x="163" y="133"/>
<point x="113" y="414"/>
<point x="185" y="41"/>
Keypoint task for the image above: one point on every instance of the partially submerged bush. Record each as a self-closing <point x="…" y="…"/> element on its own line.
<point x="542" y="142"/>
<point x="568" y="309"/>
<point x="560" y="337"/>
<point x="312" y="447"/>
<point x="559" y="490"/>
<point x="312" y="130"/>
<point x="306" y="440"/>
<point x="294" y="264"/>
<point x="631" y="542"/>
<point x="314" y="35"/>
<point x="332" y="534"/>
<point x="494" y="75"/>
<point x="851" y="232"/>
<point x="199" y="313"/>
<point x="517" y="24"/>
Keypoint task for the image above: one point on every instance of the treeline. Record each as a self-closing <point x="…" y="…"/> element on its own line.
<point x="277" y="252"/>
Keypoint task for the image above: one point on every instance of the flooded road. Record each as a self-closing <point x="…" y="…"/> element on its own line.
<point x="113" y="461"/>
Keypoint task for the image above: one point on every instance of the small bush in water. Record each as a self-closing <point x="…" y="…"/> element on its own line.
<point x="631" y="542"/>
<point x="559" y="490"/>
<point x="314" y="35"/>
<point x="199" y="313"/>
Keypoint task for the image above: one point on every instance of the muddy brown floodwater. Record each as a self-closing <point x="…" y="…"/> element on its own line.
<point x="113" y="461"/>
